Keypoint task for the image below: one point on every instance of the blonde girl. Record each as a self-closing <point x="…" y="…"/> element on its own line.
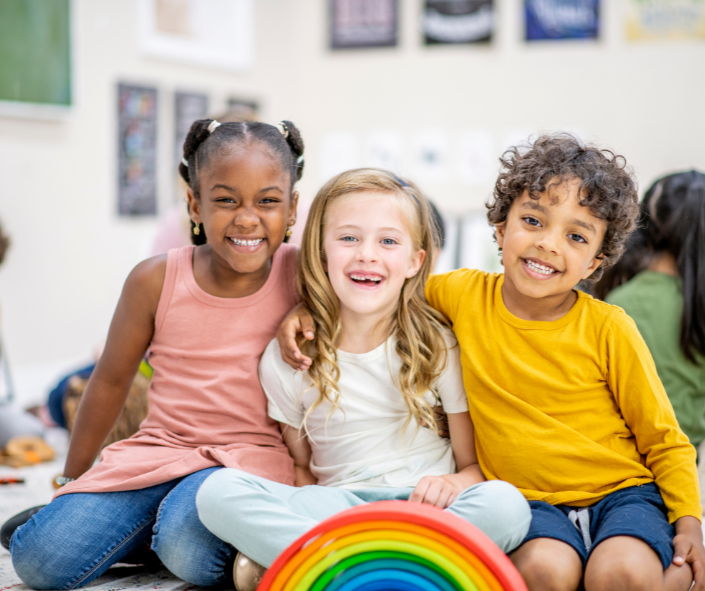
<point x="382" y="358"/>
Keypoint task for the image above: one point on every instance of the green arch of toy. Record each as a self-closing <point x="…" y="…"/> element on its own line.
<point x="425" y="515"/>
<point x="378" y="558"/>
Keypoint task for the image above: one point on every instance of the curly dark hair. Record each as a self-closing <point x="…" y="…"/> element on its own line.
<point x="608" y="187"/>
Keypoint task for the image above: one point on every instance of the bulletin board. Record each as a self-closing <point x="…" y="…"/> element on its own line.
<point x="35" y="53"/>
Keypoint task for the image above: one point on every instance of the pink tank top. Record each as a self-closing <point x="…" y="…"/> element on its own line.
<point x="206" y="404"/>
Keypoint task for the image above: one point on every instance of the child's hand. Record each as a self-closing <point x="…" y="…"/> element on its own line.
<point x="441" y="419"/>
<point x="298" y="321"/>
<point x="688" y="547"/>
<point x="440" y="491"/>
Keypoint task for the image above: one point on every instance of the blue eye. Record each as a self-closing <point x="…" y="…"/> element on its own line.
<point x="348" y="238"/>
<point x="577" y="238"/>
<point x="388" y="241"/>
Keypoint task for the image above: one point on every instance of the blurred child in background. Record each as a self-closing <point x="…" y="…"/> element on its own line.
<point x="660" y="283"/>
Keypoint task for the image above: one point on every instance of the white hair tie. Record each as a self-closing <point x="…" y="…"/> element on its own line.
<point x="184" y="162"/>
<point x="281" y="126"/>
<point x="213" y="126"/>
<point x="300" y="159"/>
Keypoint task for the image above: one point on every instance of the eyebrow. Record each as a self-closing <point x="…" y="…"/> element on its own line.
<point x="233" y="190"/>
<point x="353" y="227"/>
<point x="533" y="205"/>
<point x="542" y="209"/>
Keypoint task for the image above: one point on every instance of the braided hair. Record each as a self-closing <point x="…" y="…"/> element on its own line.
<point x="201" y="145"/>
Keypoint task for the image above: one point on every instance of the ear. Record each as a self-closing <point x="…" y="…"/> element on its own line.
<point x="417" y="260"/>
<point x="292" y="208"/>
<point x="194" y="207"/>
<point x="594" y="264"/>
<point x="499" y="233"/>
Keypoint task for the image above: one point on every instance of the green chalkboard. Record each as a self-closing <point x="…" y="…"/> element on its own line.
<point x="35" y="51"/>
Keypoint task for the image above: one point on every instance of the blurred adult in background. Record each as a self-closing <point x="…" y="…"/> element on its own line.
<point x="660" y="283"/>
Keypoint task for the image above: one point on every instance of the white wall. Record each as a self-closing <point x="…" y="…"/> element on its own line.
<point x="71" y="251"/>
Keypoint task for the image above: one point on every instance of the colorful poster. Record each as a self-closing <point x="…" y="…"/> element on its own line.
<point x="363" y="23"/>
<point x="458" y="21"/>
<point x="665" y="19"/>
<point x="561" y="19"/>
<point x="187" y="108"/>
<point x="137" y="150"/>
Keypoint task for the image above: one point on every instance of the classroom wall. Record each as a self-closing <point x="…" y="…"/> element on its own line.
<point x="71" y="252"/>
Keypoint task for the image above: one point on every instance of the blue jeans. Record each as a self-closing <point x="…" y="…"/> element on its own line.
<point x="262" y="517"/>
<point x="78" y="536"/>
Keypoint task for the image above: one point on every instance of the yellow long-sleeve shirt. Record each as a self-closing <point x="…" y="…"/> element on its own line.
<point x="568" y="411"/>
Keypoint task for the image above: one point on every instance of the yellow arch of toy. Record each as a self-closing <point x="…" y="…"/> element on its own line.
<point x="462" y="578"/>
<point x="446" y="548"/>
<point x="312" y="548"/>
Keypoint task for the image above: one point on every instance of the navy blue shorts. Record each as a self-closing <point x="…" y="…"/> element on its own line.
<point x="637" y="511"/>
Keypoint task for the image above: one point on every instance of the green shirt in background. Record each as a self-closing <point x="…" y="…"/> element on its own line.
<point x="655" y="302"/>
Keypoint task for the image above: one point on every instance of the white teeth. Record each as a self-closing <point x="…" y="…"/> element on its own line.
<point x="359" y="278"/>
<point x="540" y="268"/>
<point x="246" y="242"/>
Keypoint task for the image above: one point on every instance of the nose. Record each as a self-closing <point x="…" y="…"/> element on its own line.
<point x="549" y="241"/>
<point x="367" y="251"/>
<point x="246" y="218"/>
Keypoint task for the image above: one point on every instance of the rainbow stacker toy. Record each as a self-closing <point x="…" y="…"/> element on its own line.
<point x="393" y="546"/>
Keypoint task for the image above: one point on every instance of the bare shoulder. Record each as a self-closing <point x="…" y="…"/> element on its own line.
<point x="146" y="280"/>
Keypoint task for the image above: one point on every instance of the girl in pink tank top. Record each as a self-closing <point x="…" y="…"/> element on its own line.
<point x="206" y="314"/>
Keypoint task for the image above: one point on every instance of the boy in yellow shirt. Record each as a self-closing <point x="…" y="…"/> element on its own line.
<point x="562" y="390"/>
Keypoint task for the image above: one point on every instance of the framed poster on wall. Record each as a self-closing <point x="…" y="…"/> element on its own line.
<point x="458" y="21"/>
<point x="137" y="150"/>
<point x="561" y="19"/>
<point x="665" y="19"/>
<point x="363" y="23"/>
<point x="211" y="33"/>
<point x="35" y="57"/>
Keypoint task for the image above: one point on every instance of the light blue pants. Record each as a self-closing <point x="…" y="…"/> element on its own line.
<point x="261" y="518"/>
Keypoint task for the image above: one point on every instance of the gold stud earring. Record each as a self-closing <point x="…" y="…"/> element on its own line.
<point x="197" y="229"/>
<point x="288" y="230"/>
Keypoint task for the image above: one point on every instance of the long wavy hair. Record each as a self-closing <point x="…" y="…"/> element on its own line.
<point x="418" y="329"/>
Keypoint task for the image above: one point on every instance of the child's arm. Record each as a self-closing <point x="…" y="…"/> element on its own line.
<point x="298" y="321"/>
<point x="130" y="333"/>
<point x="300" y="450"/>
<point x="688" y="547"/>
<point x="441" y="491"/>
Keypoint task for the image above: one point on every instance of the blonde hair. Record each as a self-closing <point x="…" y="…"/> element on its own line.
<point x="418" y="328"/>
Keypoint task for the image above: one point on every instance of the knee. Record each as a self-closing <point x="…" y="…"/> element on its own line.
<point x="35" y="562"/>
<point x="211" y="493"/>
<point x="548" y="574"/>
<point x="625" y="575"/>
<point x="189" y="550"/>
<point x="503" y="512"/>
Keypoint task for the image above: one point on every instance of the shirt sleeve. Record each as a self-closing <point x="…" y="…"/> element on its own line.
<point x="451" y="389"/>
<point x="279" y="385"/>
<point x="444" y="292"/>
<point x="632" y="377"/>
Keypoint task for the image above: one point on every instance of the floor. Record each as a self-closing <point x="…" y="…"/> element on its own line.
<point x="37" y="490"/>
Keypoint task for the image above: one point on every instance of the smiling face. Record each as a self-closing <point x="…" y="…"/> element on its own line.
<point x="245" y="206"/>
<point x="549" y="245"/>
<point x="369" y="253"/>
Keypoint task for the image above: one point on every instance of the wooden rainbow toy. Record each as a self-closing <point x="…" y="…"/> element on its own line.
<point x="393" y="546"/>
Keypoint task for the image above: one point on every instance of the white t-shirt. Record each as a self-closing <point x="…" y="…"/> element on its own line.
<point x="362" y="444"/>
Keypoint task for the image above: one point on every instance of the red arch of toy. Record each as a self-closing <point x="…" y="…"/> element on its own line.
<point x="421" y="514"/>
